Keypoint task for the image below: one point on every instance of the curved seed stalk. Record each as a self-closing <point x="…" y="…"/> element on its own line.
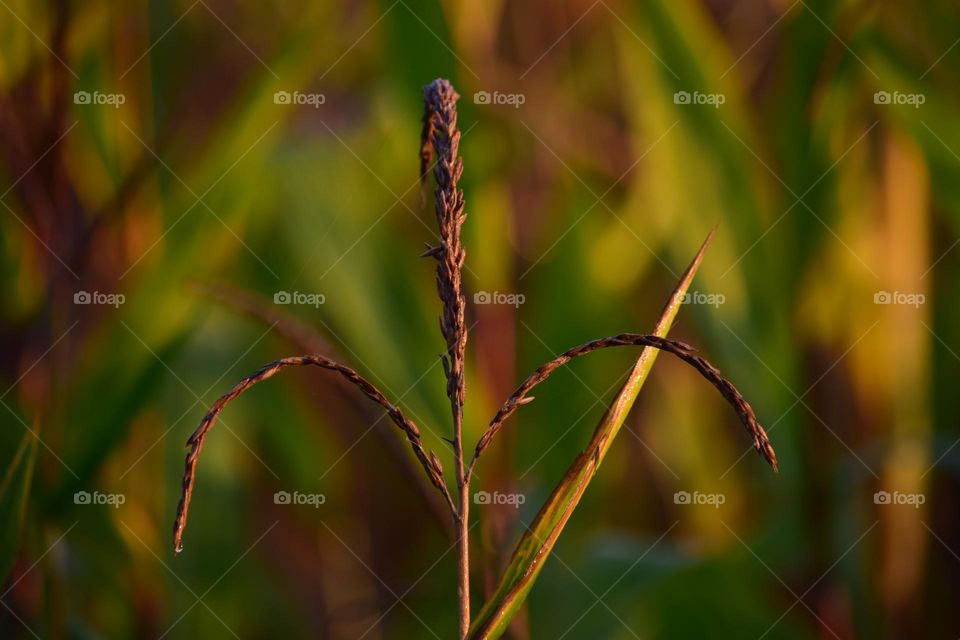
<point x="683" y="351"/>
<point x="307" y="340"/>
<point x="430" y="463"/>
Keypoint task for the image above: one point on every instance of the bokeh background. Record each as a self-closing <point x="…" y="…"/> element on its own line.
<point x="148" y="161"/>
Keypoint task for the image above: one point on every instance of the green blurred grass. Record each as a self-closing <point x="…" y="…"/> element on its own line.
<point x="315" y="195"/>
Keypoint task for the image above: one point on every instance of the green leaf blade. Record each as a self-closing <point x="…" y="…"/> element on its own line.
<point x="538" y="541"/>
<point x="13" y="501"/>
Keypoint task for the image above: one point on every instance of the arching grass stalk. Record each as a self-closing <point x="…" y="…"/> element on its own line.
<point x="440" y="140"/>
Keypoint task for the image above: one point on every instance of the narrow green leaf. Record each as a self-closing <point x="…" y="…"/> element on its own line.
<point x="538" y="541"/>
<point x="13" y="501"/>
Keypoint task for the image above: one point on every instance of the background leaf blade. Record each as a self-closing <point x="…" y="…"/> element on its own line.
<point x="13" y="500"/>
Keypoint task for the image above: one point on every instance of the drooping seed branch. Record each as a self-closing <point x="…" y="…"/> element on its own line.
<point x="429" y="461"/>
<point x="307" y="340"/>
<point x="679" y="349"/>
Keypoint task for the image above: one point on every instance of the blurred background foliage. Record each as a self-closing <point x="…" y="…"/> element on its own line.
<point x="199" y="190"/>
